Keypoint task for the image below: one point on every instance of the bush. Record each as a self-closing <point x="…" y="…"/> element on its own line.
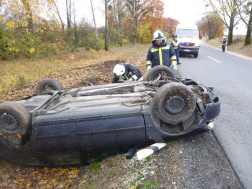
<point x="21" y="45"/>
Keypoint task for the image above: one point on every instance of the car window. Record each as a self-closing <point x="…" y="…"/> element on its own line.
<point x="189" y="33"/>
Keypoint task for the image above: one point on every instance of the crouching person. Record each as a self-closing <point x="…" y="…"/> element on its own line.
<point x="127" y="72"/>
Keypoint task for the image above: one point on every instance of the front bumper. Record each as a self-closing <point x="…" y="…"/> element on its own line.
<point x="189" y="50"/>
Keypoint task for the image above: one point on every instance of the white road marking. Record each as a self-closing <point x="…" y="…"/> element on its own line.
<point x="213" y="59"/>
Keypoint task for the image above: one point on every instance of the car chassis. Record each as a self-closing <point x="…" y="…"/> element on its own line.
<point x="87" y="124"/>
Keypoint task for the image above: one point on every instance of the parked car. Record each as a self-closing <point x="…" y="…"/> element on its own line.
<point x="82" y="125"/>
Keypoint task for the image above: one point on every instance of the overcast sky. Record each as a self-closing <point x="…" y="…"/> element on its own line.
<point x="185" y="11"/>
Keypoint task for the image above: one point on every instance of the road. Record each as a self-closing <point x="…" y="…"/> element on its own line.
<point x="231" y="77"/>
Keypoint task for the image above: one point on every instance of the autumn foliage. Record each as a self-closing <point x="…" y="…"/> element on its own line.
<point x="35" y="28"/>
<point x="211" y="25"/>
<point x="169" y="25"/>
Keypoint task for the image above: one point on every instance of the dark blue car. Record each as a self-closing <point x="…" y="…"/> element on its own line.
<point x="87" y="124"/>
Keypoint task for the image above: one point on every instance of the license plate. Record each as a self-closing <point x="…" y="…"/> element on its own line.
<point x="187" y="50"/>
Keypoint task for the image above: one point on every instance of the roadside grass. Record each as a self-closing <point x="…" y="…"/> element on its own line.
<point x="237" y="46"/>
<point x="20" y="72"/>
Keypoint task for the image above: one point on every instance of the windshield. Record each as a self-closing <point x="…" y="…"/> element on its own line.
<point x="189" y="33"/>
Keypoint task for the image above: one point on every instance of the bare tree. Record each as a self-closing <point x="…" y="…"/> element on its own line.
<point x="69" y="13"/>
<point x="133" y="23"/>
<point x="226" y="9"/>
<point x="96" y="35"/>
<point x="57" y="10"/>
<point x="246" y="17"/>
<point x="106" y="25"/>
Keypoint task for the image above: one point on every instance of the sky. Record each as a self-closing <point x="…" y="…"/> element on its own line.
<point x="185" y="11"/>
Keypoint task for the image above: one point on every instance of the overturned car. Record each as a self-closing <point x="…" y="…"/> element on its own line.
<point x="87" y="124"/>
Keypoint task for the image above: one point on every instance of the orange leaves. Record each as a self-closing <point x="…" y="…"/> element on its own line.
<point x="169" y="25"/>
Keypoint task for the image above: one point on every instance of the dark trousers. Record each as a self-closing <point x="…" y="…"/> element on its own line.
<point x="223" y="48"/>
<point x="177" y="54"/>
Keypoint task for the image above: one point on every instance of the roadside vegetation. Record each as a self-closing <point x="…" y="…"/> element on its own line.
<point x="237" y="46"/>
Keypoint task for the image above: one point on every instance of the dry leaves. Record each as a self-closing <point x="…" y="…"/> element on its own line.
<point x="97" y="71"/>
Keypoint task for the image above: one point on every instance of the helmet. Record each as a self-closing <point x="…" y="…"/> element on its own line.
<point x="224" y="37"/>
<point x="158" y="35"/>
<point x="119" y="70"/>
<point x="175" y="36"/>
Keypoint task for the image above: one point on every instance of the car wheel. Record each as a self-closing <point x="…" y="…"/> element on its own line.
<point x="174" y="102"/>
<point x="196" y="54"/>
<point x="48" y="84"/>
<point x="159" y="72"/>
<point x="14" y="123"/>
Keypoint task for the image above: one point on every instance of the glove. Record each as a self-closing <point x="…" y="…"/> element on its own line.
<point x="174" y="65"/>
<point x="130" y="79"/>
<point x="148" y="68"/>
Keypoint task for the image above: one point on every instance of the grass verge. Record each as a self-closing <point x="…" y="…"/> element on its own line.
<point x="237" y="46"/>
<point x="18" y="73"/>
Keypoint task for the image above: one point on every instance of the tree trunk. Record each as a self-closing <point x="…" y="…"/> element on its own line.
<point x="68" y="9"/>
<point x="248" y="35"/>
<point x="231" y="25"/>
<point x="230" y="30"/>
<point x="133" y="24"/>
<point x="28" y="13"/>
<point x="119" y="5"/>
<point x="120" y="15"/>
<point x="62" y="25"/>
<point x="96" y="35"/>
<point x="115" y="20"/>
<point x="106" y="25"/>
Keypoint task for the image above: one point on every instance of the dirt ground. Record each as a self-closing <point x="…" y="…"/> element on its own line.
<point x="193" y="162"/>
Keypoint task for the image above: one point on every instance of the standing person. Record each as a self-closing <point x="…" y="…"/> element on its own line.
<point x="160" y="53"/>
<point x="127" y="72"/>
<point x="176" y="46"/>
<point x="224" y="44"/>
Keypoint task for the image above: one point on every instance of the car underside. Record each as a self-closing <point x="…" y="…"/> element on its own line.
<point x="87" y="124"/>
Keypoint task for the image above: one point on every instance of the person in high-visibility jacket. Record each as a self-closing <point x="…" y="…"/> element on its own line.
<point x="224" y="44"/>
<point x="176" y="45"/>
<point x="160" y="53"/>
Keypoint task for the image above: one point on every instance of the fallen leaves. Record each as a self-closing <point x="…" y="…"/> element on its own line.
<point x="97" y="71"/>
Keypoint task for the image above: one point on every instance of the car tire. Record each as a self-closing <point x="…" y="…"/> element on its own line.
<point x="48" y="84"/>
<point x="156" y="72"/>
<point x="196" y="54"/>
<point x="14" y="123"/>
<point x="173" y="103"/>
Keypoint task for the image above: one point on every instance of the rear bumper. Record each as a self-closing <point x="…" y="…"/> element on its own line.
<point x="189" y="50"/>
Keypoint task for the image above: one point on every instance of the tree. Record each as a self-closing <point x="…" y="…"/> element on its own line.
<point x="246" y="17"/>
<point x="169" y="25"/>
<point x="142" y="12"/>
<point x="57" y="10"/>
<point x="69" y="13"/>
<point x="96" y="35"/>
<point x="211" y="25"/>
<point x="226" y="9"/>
<point x="106" y="25"/>
<point x="28" y="12"/>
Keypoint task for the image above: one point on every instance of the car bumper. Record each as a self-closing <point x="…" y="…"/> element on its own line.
<point x="189" y="50"/>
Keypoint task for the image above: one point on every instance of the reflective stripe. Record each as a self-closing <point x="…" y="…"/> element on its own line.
<point x="167" y="47"/>
<point x="125" y="76"/>
<point x="175" y="43"/>
<point x="160" y="56"/>
<point x="173" y="57"/>
<point x="148" y="63"/>
<point x="134" y="77"/>
<point x="154" y="50"/>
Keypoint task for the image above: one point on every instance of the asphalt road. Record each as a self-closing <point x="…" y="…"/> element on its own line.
<point x="231" y="77"/>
